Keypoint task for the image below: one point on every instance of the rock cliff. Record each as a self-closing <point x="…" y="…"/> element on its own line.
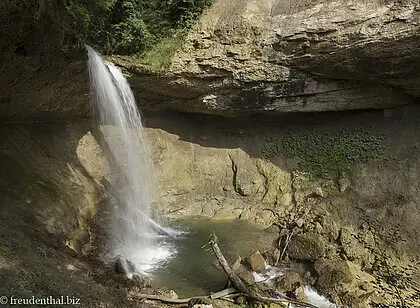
<point x="241" y="57"/>
<point x="262" y="56"/>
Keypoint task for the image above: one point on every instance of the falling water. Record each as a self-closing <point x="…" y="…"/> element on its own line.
<point x="132" y="232"/>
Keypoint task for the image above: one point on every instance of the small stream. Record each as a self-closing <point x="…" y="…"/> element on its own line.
<point x="192" y="271"/>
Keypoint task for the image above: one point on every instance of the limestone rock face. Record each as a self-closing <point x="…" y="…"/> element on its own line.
<point x="257" y="56"/>
<point x="46" y="176"/>
<point x="214" y="182"/>
<point x="306" y="247"/>
<point x="332" y="273"/>
<point x="241" y="57"/>
<point x="42" y="77"/>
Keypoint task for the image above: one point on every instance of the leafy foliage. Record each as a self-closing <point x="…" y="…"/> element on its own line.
<point x="133" y="26"/>
<point x="325" y="153"/>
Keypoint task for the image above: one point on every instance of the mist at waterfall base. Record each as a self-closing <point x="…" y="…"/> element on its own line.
<point x="133" y="234"/>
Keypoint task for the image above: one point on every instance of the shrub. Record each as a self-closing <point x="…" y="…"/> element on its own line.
<point x="132" y="26"/>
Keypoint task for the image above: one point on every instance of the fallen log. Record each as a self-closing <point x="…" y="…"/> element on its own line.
<point x="220" y="294"/>
<point x="236" y="281"/>
<point x="242" y="287"/>
<point x="163" y="298"/>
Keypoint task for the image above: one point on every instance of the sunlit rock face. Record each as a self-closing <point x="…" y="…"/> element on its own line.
<point x="259" y="56"/>
<point x="250" y="56"/>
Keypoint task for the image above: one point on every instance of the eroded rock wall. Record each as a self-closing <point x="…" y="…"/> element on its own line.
<point x="262" y="56"/>
<point x="50" y="174"/>
<point x="241" y="57"/>
<point x="358" y="227"/>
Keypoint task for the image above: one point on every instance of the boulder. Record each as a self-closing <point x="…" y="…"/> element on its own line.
<point x="256" y="261"/>
<point x="352" y="249"/>
<point x="307" y="246"/>
<point x="124" y="266"/>
<point x="245" y="274"/>
<point x="332" y="274"/>
<point x="290" y="281"/>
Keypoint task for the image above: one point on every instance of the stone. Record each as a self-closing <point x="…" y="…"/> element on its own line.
<point x="264" y="218"/>
<point x="319" y="192"/>
<point x="350" y="245"/>
<point x="307" y="246"/>
<point x="124" y="266"/>
<point x="256" y="261"/>
<point x="300" y="295"/>
<point x="331" y="229"/>
<point x="300" y="222"/>
<point x="290" y="281"/>
<point x="200" y="303"/>
<point x="331" y="274"/>
<point x="318" y="228"/>
<point x="343" y="182"/>
<point x="364" y="286"/>
<point x="172" y="294"/>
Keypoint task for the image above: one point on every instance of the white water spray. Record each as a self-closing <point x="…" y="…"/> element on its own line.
<point x="132" y="232"/>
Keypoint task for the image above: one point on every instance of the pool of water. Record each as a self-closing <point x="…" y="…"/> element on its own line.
<point x="191" y="270"/>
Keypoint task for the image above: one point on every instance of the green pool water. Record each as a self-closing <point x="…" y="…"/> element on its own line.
<point x="191" y="270"/>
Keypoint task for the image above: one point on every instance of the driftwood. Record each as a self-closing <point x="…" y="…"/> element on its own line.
<point x="236" y="281"/>
<point x="220" y="294"/>
<point x="164" y="299"/>
<point x="226" y="294"/>
<point x="240" y="285"/>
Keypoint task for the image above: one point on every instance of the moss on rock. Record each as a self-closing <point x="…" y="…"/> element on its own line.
<point x="326" y="153"/>
<point x="307" y="246"/>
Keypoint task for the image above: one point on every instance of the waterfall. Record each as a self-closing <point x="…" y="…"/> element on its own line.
<point x="132" y="233"/>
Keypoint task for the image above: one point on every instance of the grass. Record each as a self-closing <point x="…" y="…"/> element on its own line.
<point x="327" y="153"/>
<point x="160" y="56"/>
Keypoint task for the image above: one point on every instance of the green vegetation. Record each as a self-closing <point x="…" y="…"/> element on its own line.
<point x="161" y="54"/>
<point x="323" y="154"/>
<point x="134" y="26"/>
